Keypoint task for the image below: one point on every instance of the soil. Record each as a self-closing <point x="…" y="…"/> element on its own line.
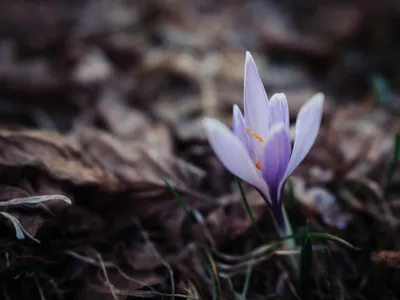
<point x="102" y="102"/>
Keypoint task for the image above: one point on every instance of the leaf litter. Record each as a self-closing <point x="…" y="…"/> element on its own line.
<point x="101" y="102"/>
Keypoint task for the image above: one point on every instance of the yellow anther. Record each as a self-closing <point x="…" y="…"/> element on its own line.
<point x="255" y="135"/>
<point x="258" y="165"/>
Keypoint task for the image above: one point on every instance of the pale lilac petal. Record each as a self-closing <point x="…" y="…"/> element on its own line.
<point x="276" y="157"/>
<point x="232" y="153"/>
<point x="255" y="100"/>
<point x="307" y="126"/>
<point x="279" y="110"/>
<point x="240" y="130"/>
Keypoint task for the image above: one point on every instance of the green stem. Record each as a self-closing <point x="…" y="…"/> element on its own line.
<point x="291" y="243"/>
<point x="292" y="260"/>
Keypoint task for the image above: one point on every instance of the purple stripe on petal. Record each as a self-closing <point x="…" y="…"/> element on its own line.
<point x="307" y="126"/>
<point x="240" y="130"/>
<point x="255" y="100"/>
<point x="279" y="110"/>
<point x="276" y="156"/>
<point x="232" y="153"/>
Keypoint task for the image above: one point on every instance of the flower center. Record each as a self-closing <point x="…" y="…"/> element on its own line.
<point x="256" y="136"/>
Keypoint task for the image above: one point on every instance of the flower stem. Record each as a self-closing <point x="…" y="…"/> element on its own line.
<point x="283" y="229"/>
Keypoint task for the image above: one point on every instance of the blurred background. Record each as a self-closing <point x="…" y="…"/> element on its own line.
<point x="156" y="53"/>
<point x="115" y="91"/>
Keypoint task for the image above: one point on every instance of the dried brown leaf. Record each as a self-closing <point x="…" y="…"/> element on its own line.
<point x="53" y="154"/>
<point x="388" y="258"/>
<point x="139" y="162"/>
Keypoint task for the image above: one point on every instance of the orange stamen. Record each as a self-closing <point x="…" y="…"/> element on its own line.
<point x="255" y="135"/>
<point x="258" y="165"/>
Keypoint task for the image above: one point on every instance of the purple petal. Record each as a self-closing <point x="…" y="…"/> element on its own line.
<point x="307" y="126"/>
<point x="276" y="157"/>
<point x="232" y="153"/>
<point x="255" y="100"/>
<point x="240" y="130"/>
<point x="279" y="110"/>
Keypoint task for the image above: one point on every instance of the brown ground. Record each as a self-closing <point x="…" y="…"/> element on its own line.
<point x="100" y="100"/>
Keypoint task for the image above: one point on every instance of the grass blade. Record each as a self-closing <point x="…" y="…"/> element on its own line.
<point x="246" y="282"/>
<point x="19" y="230"/>
<point x="35" y="199"/>
<point x="214" y="270"/>
<point x="178" y="198"/>
<point x="290" y="199"/>
<point x="305" y="267"/>
<point x="213" y="283"/>
<point x="182" y="203"/>
<point x="334" y="238"/>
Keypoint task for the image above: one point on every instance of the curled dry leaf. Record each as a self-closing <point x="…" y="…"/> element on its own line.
<point x="35" y="200"/>
<point x="142" y="165"/>
<point x="9" y="192"/>
<point x="30" y="218"/>
<point x="279" y="32"/>
<point x="116" y="285"/>
<point x="93" y="67"/>
<point x="122" y="120"/>
<point x="52" y="154"/>
<point x="349" y="14"/>
<point x="231" y="220"/>
<point x="146" y="161"/>
<point x="31" y="223"/>
<point x="388" y="258"/>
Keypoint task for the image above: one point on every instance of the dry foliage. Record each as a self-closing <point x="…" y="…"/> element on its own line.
<point x="100" y="101"/>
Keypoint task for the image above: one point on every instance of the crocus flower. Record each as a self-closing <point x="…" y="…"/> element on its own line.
<point x="258" y="149"/>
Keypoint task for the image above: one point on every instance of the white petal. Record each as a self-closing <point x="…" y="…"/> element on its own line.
<point x="232" y="153"/>
<point x="279" y="111"/>
<point x="255" y="99"/>
<point x="307" y="126"/>
<point x="240" y="131"/>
